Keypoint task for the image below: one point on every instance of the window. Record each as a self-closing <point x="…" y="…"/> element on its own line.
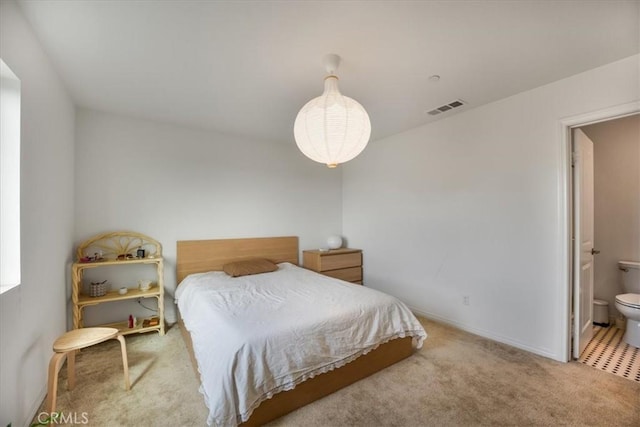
<point x="9" y="179"/>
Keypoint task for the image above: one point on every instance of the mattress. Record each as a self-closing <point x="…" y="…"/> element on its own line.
<point x="254" y="336"/>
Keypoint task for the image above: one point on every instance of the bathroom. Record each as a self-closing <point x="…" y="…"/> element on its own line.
<point x="616" y="147"/>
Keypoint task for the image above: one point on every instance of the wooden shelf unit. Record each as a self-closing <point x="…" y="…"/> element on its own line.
<point x="112" y="245"/>
<point x="343" y="263"/>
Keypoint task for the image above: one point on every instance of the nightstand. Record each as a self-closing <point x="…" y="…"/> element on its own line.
<point x="344" y="263"/>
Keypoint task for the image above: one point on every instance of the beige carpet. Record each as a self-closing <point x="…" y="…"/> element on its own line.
<point x="457" y="379"/>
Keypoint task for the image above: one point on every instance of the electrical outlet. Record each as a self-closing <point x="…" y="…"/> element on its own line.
<point x="465" y="300"/>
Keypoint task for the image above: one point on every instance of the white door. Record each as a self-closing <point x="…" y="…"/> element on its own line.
<point x="583" y="250"/>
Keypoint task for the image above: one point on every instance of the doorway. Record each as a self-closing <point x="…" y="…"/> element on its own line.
<point x="604" y="216"/>
<point x="567" y="206"/>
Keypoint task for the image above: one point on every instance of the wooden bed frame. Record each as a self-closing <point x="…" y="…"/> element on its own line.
<point x="196" y="256"/>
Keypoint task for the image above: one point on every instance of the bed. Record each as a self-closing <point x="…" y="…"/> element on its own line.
<point x="255" y="387"/>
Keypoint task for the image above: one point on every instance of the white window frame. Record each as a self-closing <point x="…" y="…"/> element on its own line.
<point x="10" y="92"/>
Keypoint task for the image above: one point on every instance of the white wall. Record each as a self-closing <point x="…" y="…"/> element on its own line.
<point x="175" y="183"/>
<point x="33" y="314"/>
<point x="471" y="205"/>
<point x="616" y="145"/>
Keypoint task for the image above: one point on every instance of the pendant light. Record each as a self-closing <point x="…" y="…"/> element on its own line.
<point x="332" y="128"/>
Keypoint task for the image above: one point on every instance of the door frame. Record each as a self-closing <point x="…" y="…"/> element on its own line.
<point x="566" y="205"/>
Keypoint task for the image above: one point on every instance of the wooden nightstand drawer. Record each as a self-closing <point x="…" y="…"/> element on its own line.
<point x="352" y="274"/>
<point x="344" y="263"/>
<point x="337" y="261"/>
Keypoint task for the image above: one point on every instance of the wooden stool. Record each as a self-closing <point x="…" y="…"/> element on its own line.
<point x="66" y="346"/>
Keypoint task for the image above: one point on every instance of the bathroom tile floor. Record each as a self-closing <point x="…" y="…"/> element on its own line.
<point x="607" y="351"/>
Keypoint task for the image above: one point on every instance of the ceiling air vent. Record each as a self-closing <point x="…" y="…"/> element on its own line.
<point x="446" y="107"/>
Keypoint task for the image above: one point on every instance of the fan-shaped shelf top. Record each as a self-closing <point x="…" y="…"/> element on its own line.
<point x="118" y="245"/>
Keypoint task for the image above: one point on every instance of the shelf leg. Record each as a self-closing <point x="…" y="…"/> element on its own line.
<point x="161" y="297"/>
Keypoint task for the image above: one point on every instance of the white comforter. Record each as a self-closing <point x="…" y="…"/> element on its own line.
<point x="254" y="336"/>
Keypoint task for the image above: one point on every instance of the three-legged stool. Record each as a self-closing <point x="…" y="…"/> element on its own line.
<point x="66" y="346"/>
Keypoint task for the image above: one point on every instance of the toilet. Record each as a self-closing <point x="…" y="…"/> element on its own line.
<point x="629" y="303"/>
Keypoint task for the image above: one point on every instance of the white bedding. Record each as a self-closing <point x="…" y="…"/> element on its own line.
<point x="254" y="336"/>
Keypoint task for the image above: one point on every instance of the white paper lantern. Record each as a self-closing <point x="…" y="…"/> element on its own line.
<point x="332" y="128"/>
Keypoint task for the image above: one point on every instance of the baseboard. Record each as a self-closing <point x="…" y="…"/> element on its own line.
<point x="34" y="408"/>
<point x="488" y="334"/>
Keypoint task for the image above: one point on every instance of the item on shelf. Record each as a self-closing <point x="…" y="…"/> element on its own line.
<point x="97" y="256"/>
<point x="144" y="285"/>
<point x="140" y="252"/>
<point x="98" y="289"/>
<point x="132" y="321"/>
<point x="123" y="291"/>
<point x="153" y="321"/>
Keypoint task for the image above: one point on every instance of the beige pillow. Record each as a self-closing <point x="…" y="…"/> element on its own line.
<point x="249" y="266"/>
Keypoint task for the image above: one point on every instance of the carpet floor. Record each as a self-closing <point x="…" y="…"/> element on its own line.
<point x="456" y="379"/>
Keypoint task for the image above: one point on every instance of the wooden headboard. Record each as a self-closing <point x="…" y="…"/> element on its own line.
<point x="198" y="256"/>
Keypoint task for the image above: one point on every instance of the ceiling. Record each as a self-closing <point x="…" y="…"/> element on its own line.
<point x="247" y="67"/>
